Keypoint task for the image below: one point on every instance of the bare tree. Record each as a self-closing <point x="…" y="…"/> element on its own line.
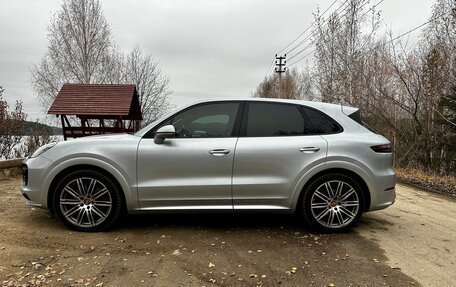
<point x="36" y="137"/>
<point x="405" y="92"/>
<point x="290" y="85"/>
<point x="11" y="127"/>
<point x="342" y="41"/>
<point x="81" y="50"/>
<point x="151" y="84"/>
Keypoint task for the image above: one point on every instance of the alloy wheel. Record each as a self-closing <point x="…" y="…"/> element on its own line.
<point x="335" y="204"/>
<point x="85" y="202"/>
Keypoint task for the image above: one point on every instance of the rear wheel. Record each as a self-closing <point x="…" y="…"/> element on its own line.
<point x="332" y="203"/>
<point x="87" y="200"/>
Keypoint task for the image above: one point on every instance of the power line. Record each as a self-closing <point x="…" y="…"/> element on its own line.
<point x="270" y="66"/>
<point x="378" y="3"/>
<point x="362" y="6"/>
<point x="406" y="33"/>
<point x="383" y="44"/>
<point x="309" y="36"/>
<point x="305" y="48"/>
<point x="364" y="14"/>
<point x="307" y="29"/>
<point x="300" y="59"/>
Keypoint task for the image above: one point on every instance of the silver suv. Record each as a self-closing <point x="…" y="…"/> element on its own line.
<point x="315" y="159"/>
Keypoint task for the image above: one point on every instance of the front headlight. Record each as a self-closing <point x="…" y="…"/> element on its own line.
<point x="43" y="149"/>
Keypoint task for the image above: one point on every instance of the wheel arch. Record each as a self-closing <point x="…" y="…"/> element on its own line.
<point x="58" y="174"/>
<point x="362" y="182"/>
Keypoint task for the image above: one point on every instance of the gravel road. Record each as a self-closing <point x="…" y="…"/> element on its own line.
<point x="410" y="244"/>
<point x="418" y="234"/>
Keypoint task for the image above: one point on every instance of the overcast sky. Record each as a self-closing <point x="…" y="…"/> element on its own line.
<point x="208" y="48"/>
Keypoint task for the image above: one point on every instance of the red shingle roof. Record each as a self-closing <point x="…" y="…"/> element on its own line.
<point x="97" y="100"/>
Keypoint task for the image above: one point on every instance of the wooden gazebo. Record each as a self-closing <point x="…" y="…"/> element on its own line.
<point x="100" y="109"/>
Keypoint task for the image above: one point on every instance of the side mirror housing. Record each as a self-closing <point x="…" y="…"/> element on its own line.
<point x="163" y="133"/>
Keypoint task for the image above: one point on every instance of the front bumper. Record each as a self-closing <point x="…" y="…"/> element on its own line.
<point x="32" y="187"/>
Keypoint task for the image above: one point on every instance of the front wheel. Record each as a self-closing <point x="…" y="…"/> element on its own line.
<point x="87" y="200"/>
<point x="332" y="203"/>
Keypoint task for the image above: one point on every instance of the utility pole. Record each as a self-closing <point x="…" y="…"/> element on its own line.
<point x="280" y="64"/>
<point x="280" y="68"/>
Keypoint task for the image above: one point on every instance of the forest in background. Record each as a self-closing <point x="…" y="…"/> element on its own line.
<point x="406" y="91"/>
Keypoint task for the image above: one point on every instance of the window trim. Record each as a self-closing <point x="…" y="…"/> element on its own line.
<point x="243" y="130"/>
<point x="236" y="127"/>
<point x="300" y="107"/>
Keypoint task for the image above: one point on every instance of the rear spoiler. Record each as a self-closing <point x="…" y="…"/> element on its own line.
<point x="349" y="110"/>
<point x="355" y="114"/>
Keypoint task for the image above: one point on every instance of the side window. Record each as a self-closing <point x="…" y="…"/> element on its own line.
<point x="205" y="121"/>
<point x="318" y="123"/>
<point x="272" y="120"/>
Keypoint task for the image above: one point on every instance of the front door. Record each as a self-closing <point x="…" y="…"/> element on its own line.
<point x="194" y="169"/>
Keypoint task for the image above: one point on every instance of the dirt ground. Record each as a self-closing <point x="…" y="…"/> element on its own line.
<point x="411" y="243"/>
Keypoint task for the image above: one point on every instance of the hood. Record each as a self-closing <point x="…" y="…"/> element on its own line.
<point x="118" y="136"/>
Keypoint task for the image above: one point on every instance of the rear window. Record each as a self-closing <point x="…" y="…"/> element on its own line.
<point x="356" y="116"/>
<point x="318" y="123"/>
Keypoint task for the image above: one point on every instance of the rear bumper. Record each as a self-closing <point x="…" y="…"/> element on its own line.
<point x="384" y="194"/>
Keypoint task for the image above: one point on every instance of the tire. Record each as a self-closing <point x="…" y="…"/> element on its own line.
<point x="87" y="200"/>
<point x="332" y="203"/>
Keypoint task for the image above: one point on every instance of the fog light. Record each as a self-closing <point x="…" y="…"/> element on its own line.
<point x="26" y="196"/>
<point x="25" y="174"/>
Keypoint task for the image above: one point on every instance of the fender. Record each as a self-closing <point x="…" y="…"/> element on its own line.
<point x="335" y="164"/>
<point x="130" y="197"/>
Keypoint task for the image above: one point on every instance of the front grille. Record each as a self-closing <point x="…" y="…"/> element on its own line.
<point x="25" y="174"/>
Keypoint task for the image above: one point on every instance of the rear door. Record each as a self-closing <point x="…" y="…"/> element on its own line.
<point x="272" y="153"/>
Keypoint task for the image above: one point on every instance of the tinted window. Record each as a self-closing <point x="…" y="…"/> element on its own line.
<point x="209" y="120"/>
<point x="318" y="123"/>
<point x="269" y="119"/>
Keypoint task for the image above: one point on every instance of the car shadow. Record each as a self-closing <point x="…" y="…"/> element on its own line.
<point x="214" y="221"/>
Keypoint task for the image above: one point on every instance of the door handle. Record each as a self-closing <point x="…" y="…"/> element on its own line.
<point x="219" y="152"/>
<point x="309" y="149"/>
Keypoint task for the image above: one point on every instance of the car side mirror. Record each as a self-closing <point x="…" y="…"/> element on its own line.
<point x="163" y="133"/>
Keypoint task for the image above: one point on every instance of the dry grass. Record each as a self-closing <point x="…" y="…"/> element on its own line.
<point x="432" y="182"/>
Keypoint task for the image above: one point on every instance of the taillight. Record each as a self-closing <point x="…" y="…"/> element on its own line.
<point x="384" y="148"/>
